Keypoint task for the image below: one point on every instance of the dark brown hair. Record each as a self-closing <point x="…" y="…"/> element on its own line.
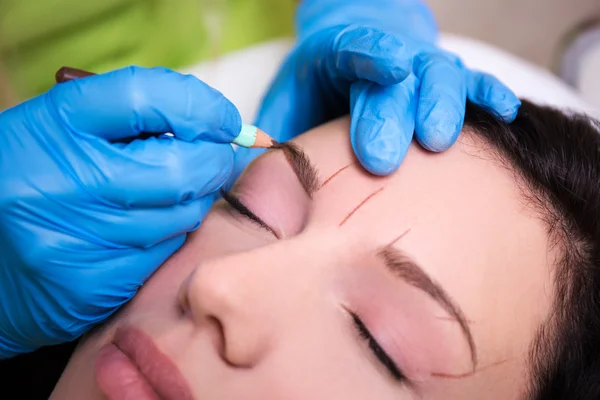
<point x="557" y="157"/>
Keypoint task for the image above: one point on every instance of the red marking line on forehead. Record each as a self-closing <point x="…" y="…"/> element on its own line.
<point x="362" y="203"/>
<point x="334" y="175"/>
<point x="393" y="242"/>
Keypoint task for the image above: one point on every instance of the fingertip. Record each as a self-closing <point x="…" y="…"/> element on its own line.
<point x="437" y="139"/>
<point x="378" y="146"/>
<point x="509" y="118"/>
<point x="437" y="129"/>
<point x="231" y="121"/>
<point x="224" y="169"/>
<point x="442" y="100"/>
<point x="490" y="93"/>
<point x="382" y="124"/>
<point x="510" y="115"/>
<point x="506" y="104"/>
<point x="378" y="165"/>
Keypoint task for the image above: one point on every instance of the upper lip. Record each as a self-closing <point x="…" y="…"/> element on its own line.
<point x="159" y="370"/>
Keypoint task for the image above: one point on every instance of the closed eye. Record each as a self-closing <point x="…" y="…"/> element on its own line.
<point x="238" y="206"/>
<point x="381" y="355"/>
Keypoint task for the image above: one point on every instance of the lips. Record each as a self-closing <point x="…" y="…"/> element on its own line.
<point x="132" y="367"/>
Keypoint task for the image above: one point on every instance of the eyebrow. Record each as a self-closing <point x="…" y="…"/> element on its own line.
<point x="410" y="272"/>
<point x="305" y="171"/>
<point x="395" y="260"/>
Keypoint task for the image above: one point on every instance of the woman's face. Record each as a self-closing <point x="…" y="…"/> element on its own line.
<point x="429" y="283"/>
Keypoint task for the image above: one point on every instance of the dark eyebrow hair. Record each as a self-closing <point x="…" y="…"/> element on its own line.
<point x="306" y="172"/>
<point x="405" y="268"/>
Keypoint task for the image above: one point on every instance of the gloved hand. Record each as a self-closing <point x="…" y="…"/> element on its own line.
<point x="85" y="218"/>
<point x="377" y="60"/>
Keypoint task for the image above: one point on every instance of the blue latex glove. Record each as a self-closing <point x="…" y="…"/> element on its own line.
<point x="85" y="218"/>
<point x="377" y="60"/>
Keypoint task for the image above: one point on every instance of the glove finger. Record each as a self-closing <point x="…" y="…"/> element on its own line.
<point x="128" y="101"/>
<point x="382" y="123"/>
<point x="73" y="300"/>
<point x="109" y="283"/>
<point x="488" y="92"/>
<point x="279" y="110"/>
<point x="364" y="53"/>
<point x="317" y="79"/>
<point x="156" y="172"/>
<point x="143" y="227"/>
<point x="442" y="100"/>
<point x="291" y="106"/>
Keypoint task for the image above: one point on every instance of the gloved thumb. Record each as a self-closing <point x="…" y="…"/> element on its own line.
<point x="128" y="101"/>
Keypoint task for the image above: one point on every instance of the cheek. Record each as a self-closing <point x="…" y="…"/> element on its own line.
<point x="221" y="234"/>
<point x="218" y="236"/>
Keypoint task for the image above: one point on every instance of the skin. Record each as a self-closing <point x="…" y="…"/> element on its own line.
<point x="284" y="330"/>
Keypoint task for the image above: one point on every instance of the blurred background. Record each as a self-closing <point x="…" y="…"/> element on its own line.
<point x="560" y="35"/>
<point x="531" y="29"/>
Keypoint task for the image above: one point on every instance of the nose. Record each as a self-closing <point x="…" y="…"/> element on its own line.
<point x="235" y="298"/>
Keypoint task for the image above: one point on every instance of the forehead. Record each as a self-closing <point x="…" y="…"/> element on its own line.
<point x="465" y="190"/>
<point x="469" y="227"/>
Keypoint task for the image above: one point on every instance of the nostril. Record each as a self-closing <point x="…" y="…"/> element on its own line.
<point x="215" y="300"/>
<point x="219" y="340"/>
<point x="218" y="334"/>
<point x="182" y="308"/>
<point x="182" y="297"/>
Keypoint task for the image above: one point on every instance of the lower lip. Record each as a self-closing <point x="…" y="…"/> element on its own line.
<point x="132" y="367"/>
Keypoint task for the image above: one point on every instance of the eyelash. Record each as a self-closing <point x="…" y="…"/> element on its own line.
<point x="237" y="205"/>
<point x="377" y="350"/>
<point x="362" y="330"/>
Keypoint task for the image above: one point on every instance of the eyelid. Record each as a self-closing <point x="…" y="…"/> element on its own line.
<point x="376" y="349"/>
<point x="305" y="171"/>
<point x="237" y="205"/>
